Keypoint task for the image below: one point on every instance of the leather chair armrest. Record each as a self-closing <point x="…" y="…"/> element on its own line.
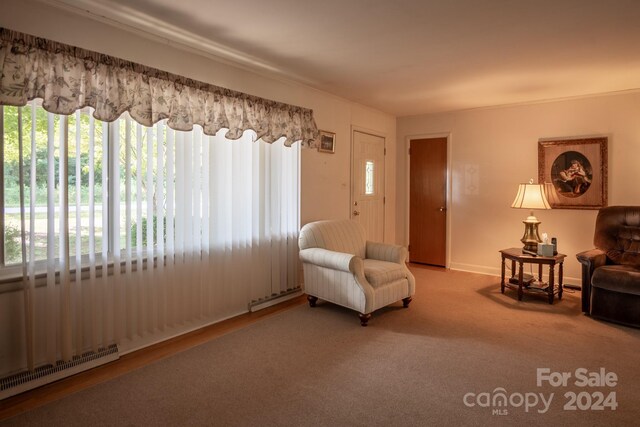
<point x="330" y="259"/>
<point x="590" y="260"/>
<point x="595" y="257"/>
<point x="386" y="252"/>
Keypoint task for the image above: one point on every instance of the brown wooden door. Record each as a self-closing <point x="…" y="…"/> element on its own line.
<point x="428" y="201"/>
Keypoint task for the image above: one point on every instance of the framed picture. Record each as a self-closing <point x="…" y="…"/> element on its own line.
<point x="327" y="142"/>
<point x="577" y="168"/>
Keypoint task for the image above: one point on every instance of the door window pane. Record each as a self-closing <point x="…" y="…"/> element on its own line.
<point x="368" y="178"/>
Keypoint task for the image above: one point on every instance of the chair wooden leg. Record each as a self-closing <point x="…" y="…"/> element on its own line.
<point x="312" y="300"/>
<point x="406" y="301"/>
<point x="364" y="318"/>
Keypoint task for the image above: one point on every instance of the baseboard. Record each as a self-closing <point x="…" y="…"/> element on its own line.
<point x="473" y="268"/>
<point x="570" y="282"/>
<point x="139" y="343"/>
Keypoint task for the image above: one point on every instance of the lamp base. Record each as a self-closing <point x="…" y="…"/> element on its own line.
<point x="531" y="238"/>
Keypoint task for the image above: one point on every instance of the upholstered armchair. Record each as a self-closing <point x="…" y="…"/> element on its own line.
<point x="611" y="271"/>
<point x="342" y="267"/>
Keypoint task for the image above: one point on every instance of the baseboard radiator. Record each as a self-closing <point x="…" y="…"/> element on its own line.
<point x="274" y="299"/>
<point x="21" y="382"/>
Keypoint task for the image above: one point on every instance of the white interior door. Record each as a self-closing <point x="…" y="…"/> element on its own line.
<point x="367" y="183"/>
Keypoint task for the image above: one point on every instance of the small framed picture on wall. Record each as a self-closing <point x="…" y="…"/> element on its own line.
<point x="327" y="142"/>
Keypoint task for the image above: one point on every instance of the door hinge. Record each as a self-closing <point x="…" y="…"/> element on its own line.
<point x="385" y="151"/>
<point x="384" y="200"/>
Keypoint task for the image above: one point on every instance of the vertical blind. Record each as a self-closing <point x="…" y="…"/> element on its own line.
<point x="128" y="231"/>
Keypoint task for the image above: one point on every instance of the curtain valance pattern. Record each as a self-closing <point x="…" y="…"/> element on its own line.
<point x="68" y="78"/>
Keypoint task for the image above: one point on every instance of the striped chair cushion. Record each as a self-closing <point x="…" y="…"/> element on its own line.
<point x="382" y="272"/>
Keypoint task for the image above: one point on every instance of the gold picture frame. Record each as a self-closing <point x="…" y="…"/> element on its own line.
<point x="327" y="142"/>
<point x="577" y="168"/>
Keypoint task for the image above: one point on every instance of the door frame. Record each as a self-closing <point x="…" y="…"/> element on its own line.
<point x="448" y="190"/>
<point x="378" y="134"/>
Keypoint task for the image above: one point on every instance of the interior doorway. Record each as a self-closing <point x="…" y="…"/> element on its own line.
<point x="428" y="201"/>
<point x="367" y="183"/>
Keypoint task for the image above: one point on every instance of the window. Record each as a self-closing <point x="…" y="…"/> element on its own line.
<point x="79" y="144"/>
<point x="83" y="161"/>
<point x="132" y="191"/>
<point x="369" y="178"/>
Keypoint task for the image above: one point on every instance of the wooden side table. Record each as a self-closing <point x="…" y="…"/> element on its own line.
<point x="516" y="255"/>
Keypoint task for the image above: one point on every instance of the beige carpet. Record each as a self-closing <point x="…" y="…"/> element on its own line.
<point x="409" y="367"/>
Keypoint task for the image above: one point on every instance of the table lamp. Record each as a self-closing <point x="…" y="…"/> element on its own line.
<point x="531" y="196"/>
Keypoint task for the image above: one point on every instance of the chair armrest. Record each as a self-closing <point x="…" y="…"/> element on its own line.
<point x="590" y="260"/>
<point x="386" y="252"/>
<point x="592" y="257"/>
<point x="329" y="259"/>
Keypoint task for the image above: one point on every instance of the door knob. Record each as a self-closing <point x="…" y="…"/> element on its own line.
<point x="442" y="209"/>
<point x="356" y="213"/>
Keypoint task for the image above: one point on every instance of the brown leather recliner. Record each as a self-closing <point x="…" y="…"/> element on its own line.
<point x="611" y="272"/>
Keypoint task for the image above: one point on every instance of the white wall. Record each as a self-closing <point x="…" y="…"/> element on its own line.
<point x="502" y="143"/>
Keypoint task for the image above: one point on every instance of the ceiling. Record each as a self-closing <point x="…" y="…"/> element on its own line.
<point x="407" y="57"/>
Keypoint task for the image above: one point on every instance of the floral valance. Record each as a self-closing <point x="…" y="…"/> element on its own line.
<point x="68" y="78"/>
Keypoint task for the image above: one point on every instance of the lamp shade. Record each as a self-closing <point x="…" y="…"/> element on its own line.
<point x="531" y="196"/>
